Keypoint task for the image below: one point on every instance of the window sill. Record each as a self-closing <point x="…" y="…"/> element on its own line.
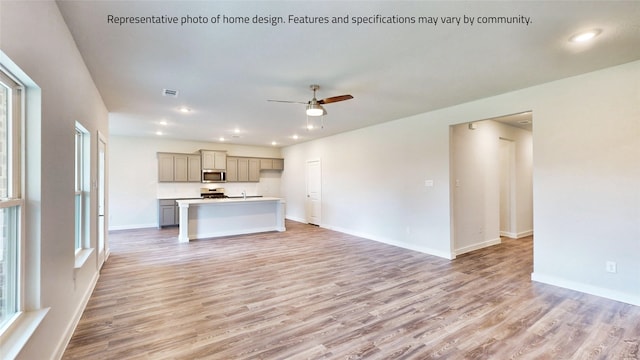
<point x="13" y="340"/>
<point x="81" y="257"/>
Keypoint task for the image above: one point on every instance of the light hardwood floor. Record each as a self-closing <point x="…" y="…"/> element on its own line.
<point x="311" y="293"/>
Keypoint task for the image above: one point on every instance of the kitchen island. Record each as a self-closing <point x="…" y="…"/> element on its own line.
<point x="205" y="218"/>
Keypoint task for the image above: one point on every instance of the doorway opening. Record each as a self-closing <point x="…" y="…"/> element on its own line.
<point x="491" y="181"/>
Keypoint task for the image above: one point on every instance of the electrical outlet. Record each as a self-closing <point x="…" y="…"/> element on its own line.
<point x="612" y="267"/>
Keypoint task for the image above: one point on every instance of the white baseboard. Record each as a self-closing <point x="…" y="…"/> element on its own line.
<point x="519" y="235"/>
<point x="399" y="244"/>
<point x="633" y="299"/>
<point x="413" y="247"/>
<point x="477" y="246"/>
<point x="132" y="226"/>
<point x="68" y="333"/>
<point x="293" y="218"/>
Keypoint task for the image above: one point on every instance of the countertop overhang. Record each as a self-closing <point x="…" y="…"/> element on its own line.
<point x="227" y="200"/>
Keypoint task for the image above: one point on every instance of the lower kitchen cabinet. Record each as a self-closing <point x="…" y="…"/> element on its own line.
<point x="168" y="212"/>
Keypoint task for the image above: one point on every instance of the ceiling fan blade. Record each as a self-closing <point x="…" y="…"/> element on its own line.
<point x="290" y="102"/>
<point x="333" y="99"/>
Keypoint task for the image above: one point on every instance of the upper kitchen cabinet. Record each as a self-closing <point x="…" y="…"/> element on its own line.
<point x="271" y="164"/>
<point x="213" y="160"/>
<point x="194" y="171"/>
<point x="232" y="169"/>
<point x="165" y="167"/>
<point x="243" y="169"/>
<point x="254" y="170"/>
<point x="178" y="167"/>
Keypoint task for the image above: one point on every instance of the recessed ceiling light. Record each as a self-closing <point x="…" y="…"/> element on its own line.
<point x="295" y="137"/>
<point x="310" y="127"/>
<point x="158" y="132"/>
<point x="274" y="143"/>
<point x="237" y="131"/>
<point x="585" y="36"/>
<point x="185" y="109"/>
<point x="221" y="138"/>
<point x="163" y="122"/>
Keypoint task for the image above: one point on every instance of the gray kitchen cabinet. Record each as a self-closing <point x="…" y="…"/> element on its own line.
<point x="266" y="164"/>
<point x="165" y="167"/>
<point x="213" y="160"/>
<point x="232" y="169"/>
<point x="194" y="171"/>
<point x="254" y="170"/>
<point x="173" y="167"/>
<point x="168" y="212"/>
<point x="180" y="170"/>
<point x="271" y="164"/>
<point x="243" y="169"/>
<point x="278" y="164"/>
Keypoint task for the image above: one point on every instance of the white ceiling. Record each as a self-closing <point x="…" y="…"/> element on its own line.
<point x="226" y="72"/>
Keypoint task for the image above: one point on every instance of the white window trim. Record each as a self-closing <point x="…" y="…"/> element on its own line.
<point x="14" y="197"/>
<point x="83" y="253"/>
<point x="16" y="332"/>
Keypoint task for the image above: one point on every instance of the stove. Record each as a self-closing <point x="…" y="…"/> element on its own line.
<point x="217" y="193"/>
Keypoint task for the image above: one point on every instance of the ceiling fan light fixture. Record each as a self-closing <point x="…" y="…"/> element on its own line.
<point x="315" y="110"/>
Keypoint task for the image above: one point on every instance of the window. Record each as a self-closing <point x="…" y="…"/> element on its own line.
<point x="11" y="201"/>
<point x="81" y="186"/>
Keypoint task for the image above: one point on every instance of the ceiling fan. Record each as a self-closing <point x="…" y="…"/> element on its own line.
<point x="314" y="106"/>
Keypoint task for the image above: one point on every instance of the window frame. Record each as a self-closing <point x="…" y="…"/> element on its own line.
<point x="82" y="196"/>
<point x="15" y="334"/>
<point x="14" y="200"/>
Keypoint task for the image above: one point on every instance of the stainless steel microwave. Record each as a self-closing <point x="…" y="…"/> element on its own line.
<point x="212" y="176"/>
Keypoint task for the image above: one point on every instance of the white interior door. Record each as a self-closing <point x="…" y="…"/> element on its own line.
<point x="102" y="166"/>
<point x="313" y="204"/>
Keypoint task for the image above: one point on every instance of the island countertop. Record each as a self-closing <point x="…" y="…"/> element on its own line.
<point x="227" y="200"/>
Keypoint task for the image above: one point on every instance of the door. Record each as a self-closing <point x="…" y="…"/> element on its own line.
<point x="313" y="204"/>
<point x="103" y="248"/>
